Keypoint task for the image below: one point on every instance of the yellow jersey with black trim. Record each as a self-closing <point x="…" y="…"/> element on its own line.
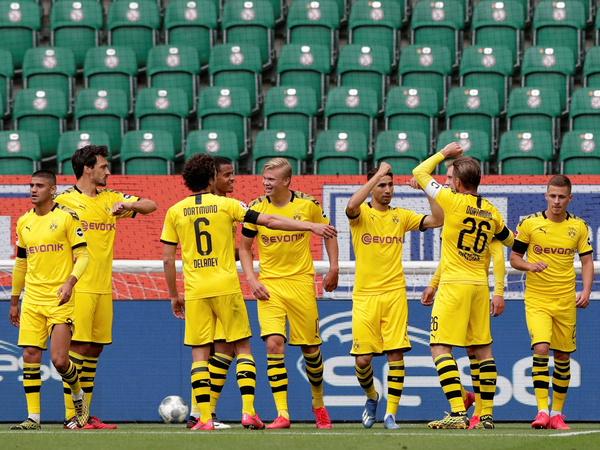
<point x="377" y="239"/>
<point x="286" y="254"/>
<point x="202" y="224"/>
<point x="555" y="244"/>
<point x="99" y="227"/>
<point x="48" y="242"/>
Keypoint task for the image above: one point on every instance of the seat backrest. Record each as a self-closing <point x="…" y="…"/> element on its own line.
<point x="49" y="60"/>
<point x="20" y="23"/>
<point x="274" y="143"/>
<point x="20" y="144"/>
<point x="189" y="24"/>
<point x="584" y="113"/>
<point x="518" y="144"/>
<point x="591" y="68"/>
<point x="110" y="59"/>
<point x="303" y="57"/>
<point x="216" y="142"/>
<point x="362" y="58"/>
<point x="438" y="23"/>
<point x="154" y="146"/>
<point x="560" y="22"/>
<point x="482" y="59"/>
<point x="472" y="101"/>
<point x="216" y="100"/>
<point x="76" y="25"/>
<point x="322" y="13"/>
<point x="475" y="143"/>
<point x="395" y="143"/>
<point x="499" y="23"/>
<point x="35" y="102"/>
<point x="532" y="101"/>
<point x="547" y="60"/>
<point x="403" y="100"/>
<point x="288" y="100"/>
<point x="135" y="25"/>
<point x="101" y="102"/>
<point x="577" y="144"/>
<point x="227" y="57"/>
<point x="343" y="100"/>
<point x="156" y="101"/>
<point x="74" y="140"/>
<point x="344" y="152"/>
<point x="6" y="80"/>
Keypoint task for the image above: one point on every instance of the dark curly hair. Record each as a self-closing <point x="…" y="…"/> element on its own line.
<point x="198" y="170"/>
<point x="87" y="157"/>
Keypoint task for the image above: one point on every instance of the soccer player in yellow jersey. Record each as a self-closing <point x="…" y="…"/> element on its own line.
<point x="202" y="223"/>
<point x="49" y="239"/>
<point x="379" y="305"/>
<point x="550" y="238"/>
<point x="224" y="352"/>
<point x="496" y="254"/>
<point x="286" y="287"/>
<point x="99" y="210"/>
<point x="461" y="314"/>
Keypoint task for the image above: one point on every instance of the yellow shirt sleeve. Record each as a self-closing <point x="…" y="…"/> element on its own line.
<point x="169" y="232"/>
<point x="583" y="245"/>
<point x="435" y="280"/>
<point x="499" y="266"/>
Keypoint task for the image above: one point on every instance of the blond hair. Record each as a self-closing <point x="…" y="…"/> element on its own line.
<point x="279" y="163"/>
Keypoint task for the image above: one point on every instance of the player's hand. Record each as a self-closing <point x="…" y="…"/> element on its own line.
<point x="452" y="150"/>
<point x="537" y="267"/>
<point x="384" y="169"/>
<point x="582" y="300"/>
<point x="324" y="230"/>
<point x="427" y="296"/>
<point x="330" y="281"/>
<point x="496" y="305"/>
<point x="413" y="183"/>
<point x="120" y="208"/>
<point x="13" y="315"/>
<point x="65" y="292"/>
<point x="259" y="290"/>
<point x="178" y="307"/>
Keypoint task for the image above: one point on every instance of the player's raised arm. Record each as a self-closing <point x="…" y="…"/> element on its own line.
<point x="142" y="206"/>
<point x="359" y="197"/>
<point x="275" y="222"/>
<point x="422" y="172"/>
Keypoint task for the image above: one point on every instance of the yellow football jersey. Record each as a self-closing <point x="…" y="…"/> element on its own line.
<point x="470" y="223"/>
<point x="286" y="254"/>
<point x="48" y="242"/>
<point x="202" y="224"/>
<point x="555" y="244"/>
<point x="99" y="227"/>
<point x="377" y="239"/>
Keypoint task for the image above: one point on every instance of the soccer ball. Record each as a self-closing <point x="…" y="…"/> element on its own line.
<point x="173" y="409"/>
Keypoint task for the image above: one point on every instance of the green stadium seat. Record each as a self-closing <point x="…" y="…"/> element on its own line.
<point x="226" y="109"/>
<point x="373" y="23"/>
<point x="411" y="109"/>
<point x="361" y="66"/>
<point x="305" y="66"/>
<point x="238" y="66"/>
<point x="427" y="67"/>
<point x="474" y="109"/>
<point x="135" y="25"/>
<point x="51" y="68"/>
<point x="561" y="23"/>
<point x="103" y="110"/>
<point x="292" y="109"/>
<point x="525" y="153"/>
<point x="552" y="68"/>
<point x="352" y="110"/>
<point x="167" y="110"/>
<point x="474" y="143"/>
<point x="192" y="24"/>
<point x="591" y="68"/>
<point x="250" y="22"/>
<point x="290" y="145"/>
<point x="315" y="23"/>
<point x="402" y="150"/>
<point x="340" y="153"/>
<point x="217" y="143"/>
<point x="584" y="114"/>
<point x="580" y="153"/>
<point x="20" y="23"/>
<point x="534" y="109"/>
<point x="175" y="67"/>
<point x="19" y="152"/>
<point x="43" y="112"/>
<point x="439" y="23"/>
<point x="488" y="67"/>
<point x="73" y="140"/>
<point x="112" y="68"/>
<point x="6" y="81"/>
<point x="500" y="23"/>
<point x="76" y="25"/>
<point x="146" y="152"/>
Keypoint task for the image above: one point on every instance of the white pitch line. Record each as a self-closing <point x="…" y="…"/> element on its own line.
<point x="456" y="433"/>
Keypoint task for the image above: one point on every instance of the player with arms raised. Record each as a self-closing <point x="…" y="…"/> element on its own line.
<point x="286" y="287"/>
<point x="461" y="313"/>
<point x="379" y="305"/>
<point x="49" y="239"/>
<point x="550" y="238"/>
<point x="99" y="210"/>
<point x="202" y="224"/>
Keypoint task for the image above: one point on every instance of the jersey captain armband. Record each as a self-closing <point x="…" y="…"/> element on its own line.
<point x="433" y="188"/>
<point x="519" y="247"/>
<point x="251" y="216"/>
<point x="21" y="252"/>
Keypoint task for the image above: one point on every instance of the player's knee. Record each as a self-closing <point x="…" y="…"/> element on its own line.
<point x="32" y="355"/>
<point x="61" y="362"/>
<point x="363" y="361"/>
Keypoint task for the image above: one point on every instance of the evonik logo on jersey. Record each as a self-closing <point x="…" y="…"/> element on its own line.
<point x="368" y="239"/>
<point x="45" y="248"/>
<point x="98" y="226"/>
<point x="267" y="240"/>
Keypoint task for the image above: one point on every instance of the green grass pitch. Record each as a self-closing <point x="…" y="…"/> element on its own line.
<point x="303" y="436"/>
